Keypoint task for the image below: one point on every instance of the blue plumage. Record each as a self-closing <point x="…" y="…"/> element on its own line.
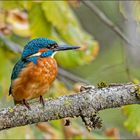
<point x="33" y="46"/>
<point x="32" y="51"/>
<point x="16" y="70"/>
<point x="33" y="59"/>
<point x="18" y="67"/>
<point x="46" y="54"/>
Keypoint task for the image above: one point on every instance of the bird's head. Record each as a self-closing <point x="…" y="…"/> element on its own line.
<point x="43" y="47"/>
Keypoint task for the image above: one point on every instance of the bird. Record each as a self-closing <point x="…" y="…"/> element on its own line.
<point x="35" y="71"/>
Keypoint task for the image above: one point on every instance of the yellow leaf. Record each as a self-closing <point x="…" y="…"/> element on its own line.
<point x="69" y="29"/>
<point x="133" y="120"/>
<point x="39" y="26"/>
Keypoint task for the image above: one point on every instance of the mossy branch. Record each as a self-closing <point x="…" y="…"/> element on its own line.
<point x="84" y="104"/>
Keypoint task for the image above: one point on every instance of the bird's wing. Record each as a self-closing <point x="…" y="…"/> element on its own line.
<point x="16" y="70"/>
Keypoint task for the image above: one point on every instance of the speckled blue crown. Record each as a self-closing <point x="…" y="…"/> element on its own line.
<point x="33" y="46"/>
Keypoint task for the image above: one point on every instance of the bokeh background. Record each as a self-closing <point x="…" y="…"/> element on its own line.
<point x="105" y="56"/>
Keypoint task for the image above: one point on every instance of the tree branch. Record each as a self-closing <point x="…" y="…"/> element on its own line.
<point x="70" y="76"/>
<point x="12" y="45"/>
<point x="84" y="104"/>
<point x="107" y="21"/>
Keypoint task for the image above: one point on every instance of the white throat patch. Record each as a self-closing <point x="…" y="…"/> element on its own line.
<point x="39" y="53"/>
<point x="36" y="54"/>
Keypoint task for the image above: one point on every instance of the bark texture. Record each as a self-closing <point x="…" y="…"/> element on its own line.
<point x="84" y="104"/>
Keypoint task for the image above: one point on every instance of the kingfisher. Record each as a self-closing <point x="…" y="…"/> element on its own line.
<point x="34" y="73"/>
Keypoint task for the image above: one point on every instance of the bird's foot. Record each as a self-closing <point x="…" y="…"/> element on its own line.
<point x="42" y="101"/>
<point x="26" y="104"/>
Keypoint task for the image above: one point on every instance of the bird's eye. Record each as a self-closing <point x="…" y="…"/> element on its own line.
<point x="54" y="46"/>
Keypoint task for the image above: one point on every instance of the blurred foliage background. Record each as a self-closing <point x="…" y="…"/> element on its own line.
<point x="103" y="57"/>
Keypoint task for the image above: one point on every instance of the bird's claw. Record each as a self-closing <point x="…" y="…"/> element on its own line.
<point x="42" y="101"/>
<point x="26" y="104"/>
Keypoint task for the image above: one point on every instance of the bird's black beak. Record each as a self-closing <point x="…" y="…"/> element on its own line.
<point x="65" y="47"/>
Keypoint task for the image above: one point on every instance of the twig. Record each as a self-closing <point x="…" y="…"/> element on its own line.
<point x="13" y="46"/>
<point x="106" y="20"/>
<point x="84" y="104"/>
<point x="71" y="76"/>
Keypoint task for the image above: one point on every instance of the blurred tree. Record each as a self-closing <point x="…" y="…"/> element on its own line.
<point x="21" y="21"/>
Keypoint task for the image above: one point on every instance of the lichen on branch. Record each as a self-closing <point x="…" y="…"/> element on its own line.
<point x="84" y="104"/>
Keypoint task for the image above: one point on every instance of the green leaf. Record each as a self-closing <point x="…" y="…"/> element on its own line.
<point x="39" y="26"/>
<point x="6" y="5"/>
<point x="69" y="59"/>
<point x="64" y="21"/>
<point x="5" y="68"/>
<point x="59" y="14"/>
<point x="24" y="132"/>
<point x="70" y="31"/>
<point x="26" y="4"/>
<point x="133" y="118"/>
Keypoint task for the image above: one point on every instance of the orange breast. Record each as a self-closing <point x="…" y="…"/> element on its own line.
<point x="35" y="79"/>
